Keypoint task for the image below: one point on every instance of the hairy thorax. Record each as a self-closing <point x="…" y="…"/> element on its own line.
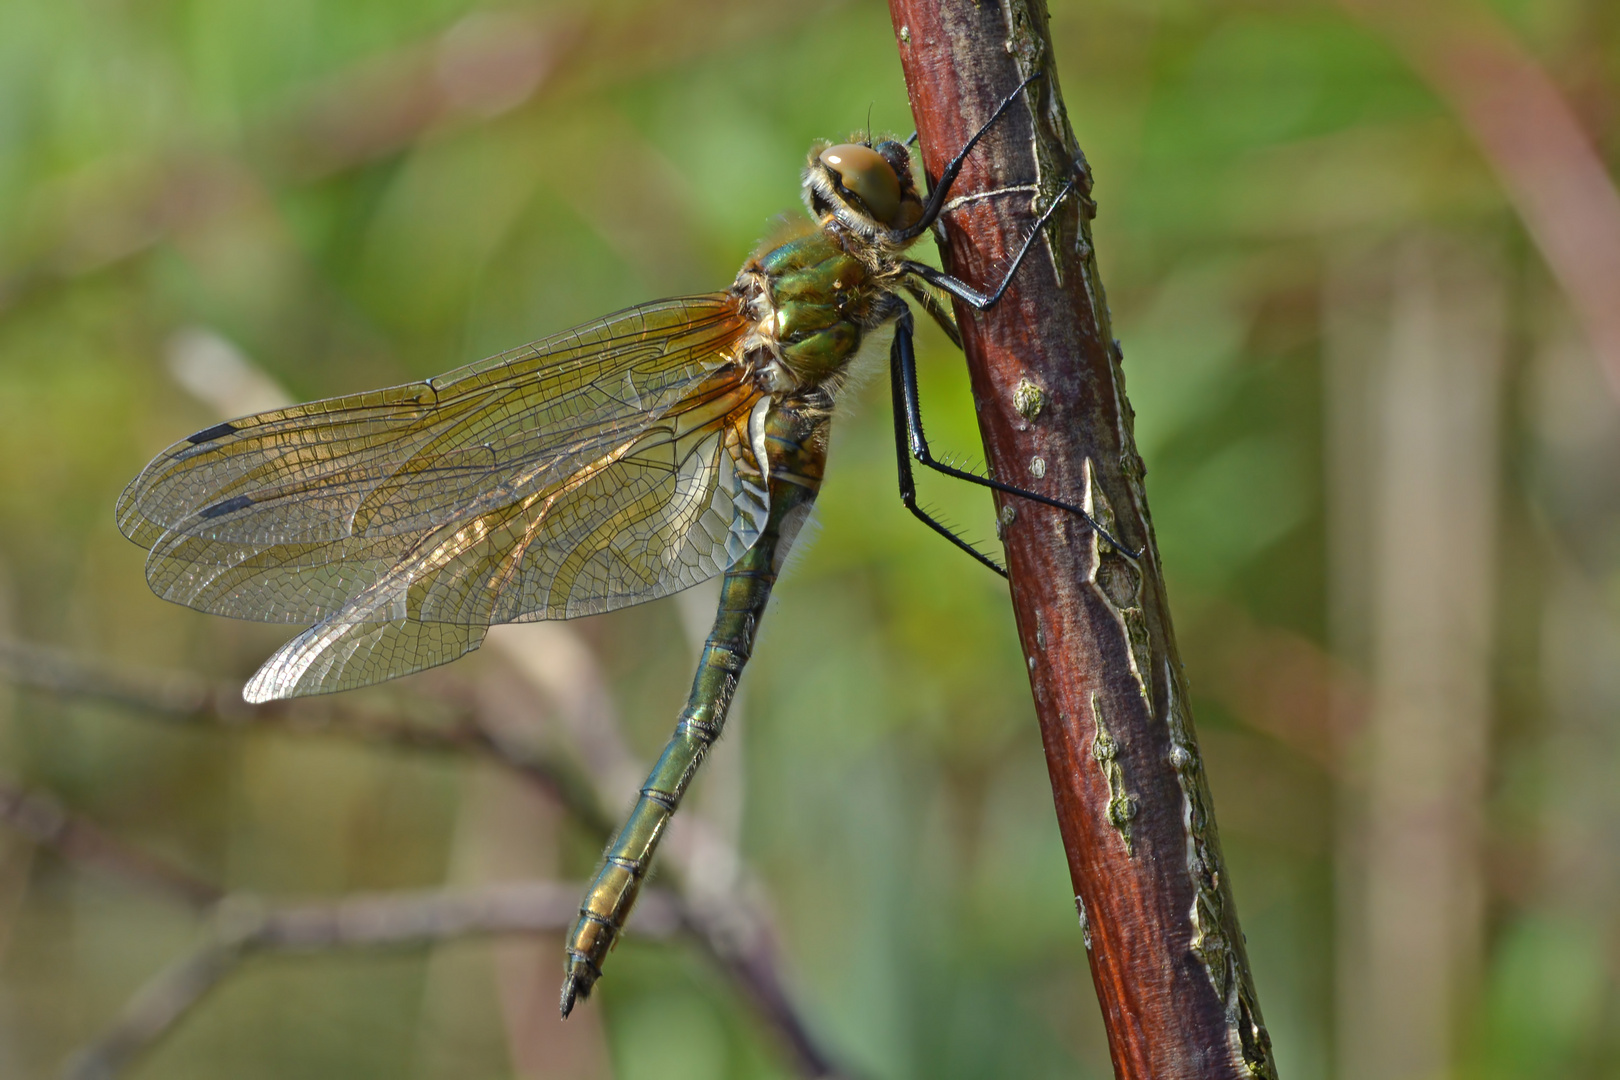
<point x="812" y="296"/>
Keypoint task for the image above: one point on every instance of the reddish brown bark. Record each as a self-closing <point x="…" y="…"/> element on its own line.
<point x="1166" y="953"/>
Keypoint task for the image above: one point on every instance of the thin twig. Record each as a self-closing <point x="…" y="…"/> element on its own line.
<point x="188" y="698"/>
<point x="732" y="929"/>
<point x="243" y="925"/>
<point x="182" y="696"/>
<point x="40" y="818"/>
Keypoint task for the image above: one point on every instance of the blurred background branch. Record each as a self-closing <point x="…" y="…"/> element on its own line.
<point x="449" y="724"/>
<point x="41" y="820"/>
<point x="241" y="926"/>
<point x="728" y="923"/>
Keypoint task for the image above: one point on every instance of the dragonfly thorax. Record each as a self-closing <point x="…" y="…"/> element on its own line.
<point x="815" y="289"/>
<point x="813" y="300"/>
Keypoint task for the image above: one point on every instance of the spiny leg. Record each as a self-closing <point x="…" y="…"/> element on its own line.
<point x="910" y="442"/>
<point x="967" y="293"/>
<point x="796" y="454"/>
<point x="930" y="302"/>
<point x="900" y="357"/>
<point x="938" y="193"/>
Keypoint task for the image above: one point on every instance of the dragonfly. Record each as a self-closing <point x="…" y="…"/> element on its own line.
<point x="608" y="465"/>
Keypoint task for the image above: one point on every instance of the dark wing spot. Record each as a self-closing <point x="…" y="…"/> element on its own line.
<point x="218" y="431"/>
<point x="226" y="507"/>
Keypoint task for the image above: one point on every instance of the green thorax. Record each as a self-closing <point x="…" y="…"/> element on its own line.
<point x="825" y="300"/>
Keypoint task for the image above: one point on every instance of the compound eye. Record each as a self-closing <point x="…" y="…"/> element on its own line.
<point x="862" y="170"/>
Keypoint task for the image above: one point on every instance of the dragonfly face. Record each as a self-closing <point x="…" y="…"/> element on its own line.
<point x="868" y="188"/>
<point x="619" y="461"/>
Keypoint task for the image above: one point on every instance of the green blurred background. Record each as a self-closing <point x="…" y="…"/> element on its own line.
<point x="1383" y="460"/>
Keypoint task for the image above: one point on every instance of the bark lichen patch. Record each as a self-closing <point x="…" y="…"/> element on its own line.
<point x="1004" y="520"/>
<point x="1119" y="581"/>
<point x="1212" y="920"/>
<point x="1105" y="752"/>
<point x="1028" y="398"/>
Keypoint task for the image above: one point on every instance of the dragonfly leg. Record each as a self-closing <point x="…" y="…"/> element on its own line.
<point x="796" y="455"/>
<point x="941" y="189"/>
<point x="910" y="442"/>
<point x="908" y="435"/>
<point x="967" y="293"/>
<point x="931" y="302"/>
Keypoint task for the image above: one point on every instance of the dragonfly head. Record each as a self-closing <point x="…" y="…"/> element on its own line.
<point x="867" y="187"/>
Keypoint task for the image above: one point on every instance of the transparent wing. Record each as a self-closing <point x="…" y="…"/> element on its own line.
<point x="289" y="515"/>
<point x="668" y="506"/>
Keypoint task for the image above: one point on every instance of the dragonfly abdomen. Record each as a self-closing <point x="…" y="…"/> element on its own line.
<point x="794" y="435"/>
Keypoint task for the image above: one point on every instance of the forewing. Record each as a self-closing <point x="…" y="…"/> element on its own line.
<point x="669" y="506"/>
<point x="288" y="515"/>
